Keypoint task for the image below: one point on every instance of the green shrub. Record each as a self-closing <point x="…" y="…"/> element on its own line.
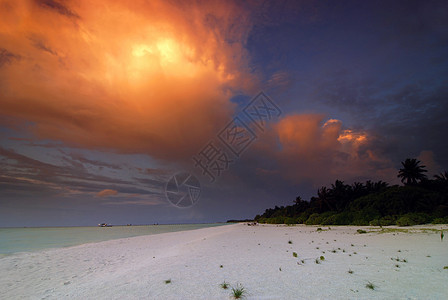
<point x="413" y="219"/>
<point x="405" y="221"/>
<point x="278" y="220"/>
<point x="441" y="211"/>
<point x="344" y="218"/>
<point x="440" y="220"/>
<point x="388" y="220"/>
<point x="375" y="222"/>
<point x="329" y="221"/>
<point x="303" y="217"/>
<point x="326" y="218"/>
<point x="364" y="216"/>
<point x="314" y="219"/>
<point x="421" y="218"/>
<point x="360" y="222"/>
<point x="290" y="221"/>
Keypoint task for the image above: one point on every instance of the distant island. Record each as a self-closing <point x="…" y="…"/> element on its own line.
<point x="419" y="201"/>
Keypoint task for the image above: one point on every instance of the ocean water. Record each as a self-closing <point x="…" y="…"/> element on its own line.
<point x="14" y="240"/>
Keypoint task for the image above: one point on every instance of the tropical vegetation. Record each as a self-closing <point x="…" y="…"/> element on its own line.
<point x="419" y="201"/>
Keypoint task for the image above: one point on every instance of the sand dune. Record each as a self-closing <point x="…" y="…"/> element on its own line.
<point x="401" y="265"/>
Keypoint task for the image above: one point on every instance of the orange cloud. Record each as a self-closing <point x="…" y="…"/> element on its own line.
<point x="106" y="193"/>
<point x="142" y="77"/>
<point x="312" y="149"/>
<point x="303" y="135"/>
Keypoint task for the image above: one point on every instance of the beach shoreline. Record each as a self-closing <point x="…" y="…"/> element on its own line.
<point x="31" y="239"/>
<point x="400" y="262"/>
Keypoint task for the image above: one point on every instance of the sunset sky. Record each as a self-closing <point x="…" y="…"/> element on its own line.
<point x="102" y="102"/>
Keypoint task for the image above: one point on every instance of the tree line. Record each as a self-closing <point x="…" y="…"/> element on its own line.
<point x="419" y="200"/>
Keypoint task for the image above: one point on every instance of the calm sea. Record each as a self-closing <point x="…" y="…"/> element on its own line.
<point x="32" y="239"/>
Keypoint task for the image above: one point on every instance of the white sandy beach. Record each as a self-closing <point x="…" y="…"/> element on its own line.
<point x="258" y="257"/>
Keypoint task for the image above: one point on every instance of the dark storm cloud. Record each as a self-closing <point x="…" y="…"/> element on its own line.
<point x="57" y="7"/>
<point x="362" y="84"/>
<point x="275" y="13"/>
<point x="96" y="163"/>
<point x="414" y="23"/>
<point x="407" y="120"/>
<point x="340" y="90"/>
<point x="17" y="162"/>
<point x="384" y="70"/>
<point x="151" y="182"/>
<point x="20" y="187"/>
<point x="152" y="171"/>
<point x="7" y="57"/>
<point x="418" y="120"/>
<point x="25" y="174"/>
<point x="40" y="44"/>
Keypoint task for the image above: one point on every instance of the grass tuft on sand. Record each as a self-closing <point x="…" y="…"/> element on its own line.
<point x="238" y="292"/>
<point x="370" y="285"/>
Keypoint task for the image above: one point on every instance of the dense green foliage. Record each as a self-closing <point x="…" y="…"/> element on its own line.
<point x="419" y="201"/>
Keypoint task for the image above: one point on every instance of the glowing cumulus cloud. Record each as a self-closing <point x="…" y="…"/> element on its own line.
<point x="318" y="151"/>
<point x="351" y="136"/>
<point x="151" y="77"/>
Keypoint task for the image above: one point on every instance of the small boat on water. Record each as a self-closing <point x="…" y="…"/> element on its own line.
<point x="104" y="225"/>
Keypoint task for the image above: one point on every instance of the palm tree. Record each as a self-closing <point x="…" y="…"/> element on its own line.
<point x="298" y="200"/>
<point x="340" y="194"/>
<point x="358" y="189"/>
<point x="380" y="185"/>
<point x="323" y="195"/>
<point x="412" y="171"/>
<point x="443" y="177"/>
<point x="442" y="180"/>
